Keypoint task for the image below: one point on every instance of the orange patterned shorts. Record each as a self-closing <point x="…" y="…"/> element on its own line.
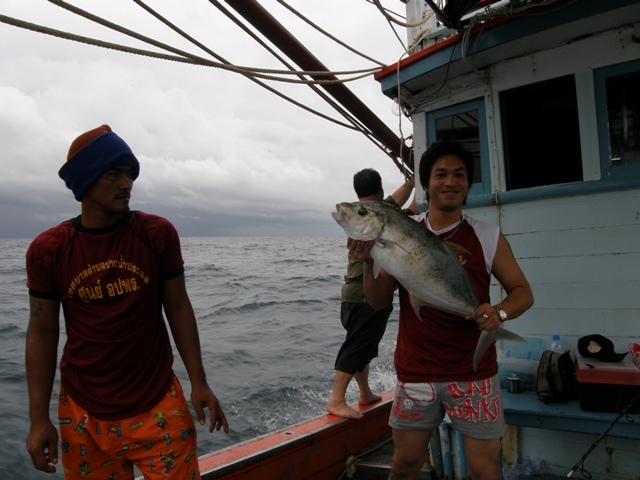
<point x="161" y="442"/>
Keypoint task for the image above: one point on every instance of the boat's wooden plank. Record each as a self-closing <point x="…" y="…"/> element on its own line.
<point x="316" y="449"/>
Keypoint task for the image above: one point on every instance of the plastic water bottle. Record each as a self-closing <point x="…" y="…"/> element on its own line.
<point x="542" y="468"/>
<point x="634" y="348"/>
<point x="514" y="471"/>
<point x="527" y="468"/>
<point x="556" y="346"/>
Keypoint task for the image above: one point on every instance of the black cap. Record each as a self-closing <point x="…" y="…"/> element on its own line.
<point x="600" y="348"/>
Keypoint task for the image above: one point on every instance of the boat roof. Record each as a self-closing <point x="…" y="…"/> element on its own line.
<point x="537" y="28"/>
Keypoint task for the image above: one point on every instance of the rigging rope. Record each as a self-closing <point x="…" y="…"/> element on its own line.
<point x="384" y="147"/>
<point x="148" y="53"/>
<point x="390" y="19"/>
<point x="328" y="35"/>
<point x="178" y="55"/>
<point x="258" y="72"/>
<point x="317" y="90"/>
<point x="248" y="76"/>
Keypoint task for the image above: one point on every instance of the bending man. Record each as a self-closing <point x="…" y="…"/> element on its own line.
<point x="364" y="325"/>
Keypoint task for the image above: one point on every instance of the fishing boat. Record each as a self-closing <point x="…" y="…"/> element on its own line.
<point x="546" y="94"/>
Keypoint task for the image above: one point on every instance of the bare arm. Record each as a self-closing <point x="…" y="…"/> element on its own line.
<point x="41" y="356"/>
<point x="182" y="321"/>
<point x="402" y="194"/>
<point x="519" y="295"/>
<point x="378" y="291"/>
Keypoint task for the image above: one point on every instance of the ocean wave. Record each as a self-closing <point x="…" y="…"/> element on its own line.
<point x="268" y="313"/>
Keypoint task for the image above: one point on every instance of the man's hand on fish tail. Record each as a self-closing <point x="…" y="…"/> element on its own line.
<point x="486" y="317"/>
<point x="361" y="249"/>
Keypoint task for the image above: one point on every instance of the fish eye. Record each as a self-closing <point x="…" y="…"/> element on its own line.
<point x="362" y="211"/>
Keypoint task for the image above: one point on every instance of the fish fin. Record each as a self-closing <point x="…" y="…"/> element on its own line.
<point x="416" y="304"/>
<point x="487" y="337"/>
<point x="382" y="243"/>
<point x="456" y="249"/>
<point x="376" y="269"/>
<point x="386" y="243"/>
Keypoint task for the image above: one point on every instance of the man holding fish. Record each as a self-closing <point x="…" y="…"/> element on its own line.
<point x="445" y="356"/>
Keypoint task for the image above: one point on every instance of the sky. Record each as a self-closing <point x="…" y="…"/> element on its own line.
<point x="220" y="156"/>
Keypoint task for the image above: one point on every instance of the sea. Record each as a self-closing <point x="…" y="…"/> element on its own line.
<point x="268" y="312"/>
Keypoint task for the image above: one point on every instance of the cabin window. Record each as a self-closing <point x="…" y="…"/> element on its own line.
<point x="618" y="107"/>
<point x="541" y="134"/>
<point x="465" y="123"/>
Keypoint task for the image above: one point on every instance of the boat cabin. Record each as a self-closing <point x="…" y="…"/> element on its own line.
<point x="546" y="94"/>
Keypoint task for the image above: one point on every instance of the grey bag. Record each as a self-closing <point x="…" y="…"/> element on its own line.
<point x="556" y="381"/>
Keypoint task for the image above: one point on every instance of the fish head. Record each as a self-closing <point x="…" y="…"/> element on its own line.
<point x="360" y="220"/>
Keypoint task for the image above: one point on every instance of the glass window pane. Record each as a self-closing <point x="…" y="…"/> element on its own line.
<point x="541" y="134"/>
<point x="623" y="108"/>
<point x="463" y="127"/>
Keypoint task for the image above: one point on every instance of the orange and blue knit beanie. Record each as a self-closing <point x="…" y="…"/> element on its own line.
<point x="93" y="153"/>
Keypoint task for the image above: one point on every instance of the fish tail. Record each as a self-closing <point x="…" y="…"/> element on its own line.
<point x="504" y="334"/>
<point x="487" y="337"/>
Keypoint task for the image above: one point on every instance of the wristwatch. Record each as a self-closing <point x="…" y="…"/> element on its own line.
<point x="502" y="314"/>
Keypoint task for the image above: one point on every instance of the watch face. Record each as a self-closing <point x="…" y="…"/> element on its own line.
<point x="501" y="313"/>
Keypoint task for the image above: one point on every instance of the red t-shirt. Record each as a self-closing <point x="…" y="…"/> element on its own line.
<point x="117" y="360"/>
<point x="439" y="346"/>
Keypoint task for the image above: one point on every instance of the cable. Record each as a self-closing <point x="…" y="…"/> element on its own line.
<point x="328" y="35"/>
<point x="181" y="56"/>
<point x="318" y="91"/>
<point x="92" y="41"/>
<point x="258" y="72"/>
<point x="358" y="126"/>
<point x="385" y="9"/>
<point x="353" y="125"/>
<point x="392" y="20"/>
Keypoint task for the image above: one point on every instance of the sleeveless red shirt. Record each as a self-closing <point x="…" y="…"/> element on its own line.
<point x="439" y="346"/>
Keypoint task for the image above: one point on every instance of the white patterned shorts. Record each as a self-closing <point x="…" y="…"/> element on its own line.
<point x="474" y="407"/>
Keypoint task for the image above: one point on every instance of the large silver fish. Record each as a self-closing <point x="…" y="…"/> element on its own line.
<point x="427" y="266"/>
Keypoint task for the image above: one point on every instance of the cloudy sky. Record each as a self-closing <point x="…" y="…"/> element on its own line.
<point x="219" y="154"/>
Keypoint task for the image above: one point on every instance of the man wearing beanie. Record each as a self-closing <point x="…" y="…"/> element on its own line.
<point x="113" y="271"/>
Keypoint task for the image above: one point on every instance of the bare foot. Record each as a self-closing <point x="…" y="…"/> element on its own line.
<point x="341" y="409"/>
<point x="369" y="399"/>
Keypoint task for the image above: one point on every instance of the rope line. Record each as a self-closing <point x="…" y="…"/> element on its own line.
<point x="247" y="75"/>
<point x="259" y="72"/>
<point x="328" y="35"/>
<point x="254" y="74"/>
<point x="317" y="90"/>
